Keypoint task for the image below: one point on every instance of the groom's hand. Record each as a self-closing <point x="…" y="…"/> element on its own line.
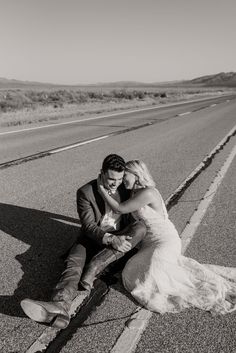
<point x="121" y="243"/>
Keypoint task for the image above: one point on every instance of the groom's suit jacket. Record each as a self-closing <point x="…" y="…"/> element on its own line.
<point x="91" y="209"/>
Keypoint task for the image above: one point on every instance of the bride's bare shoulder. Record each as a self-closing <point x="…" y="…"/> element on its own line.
<point x="149" y="192"/>
<point x="157" y="195"/>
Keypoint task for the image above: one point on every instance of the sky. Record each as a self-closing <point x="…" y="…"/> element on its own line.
<point x="92" y="41"/>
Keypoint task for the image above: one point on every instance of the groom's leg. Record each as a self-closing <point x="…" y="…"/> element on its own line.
<point x="66" y="288"/>
<point x="99" y="262"/>
<point x="63" y="293"/>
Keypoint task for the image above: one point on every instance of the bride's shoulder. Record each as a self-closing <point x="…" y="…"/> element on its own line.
<point x="148" y="191"/>
<point x="154" y="194"/>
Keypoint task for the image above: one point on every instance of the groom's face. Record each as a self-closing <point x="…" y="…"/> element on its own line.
<point x="112" y="179"/>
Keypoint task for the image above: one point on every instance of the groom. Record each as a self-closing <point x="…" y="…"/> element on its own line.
<point x="105" y="237"/>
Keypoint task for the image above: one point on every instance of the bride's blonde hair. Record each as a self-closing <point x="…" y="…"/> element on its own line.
<point x="140" y="170"/>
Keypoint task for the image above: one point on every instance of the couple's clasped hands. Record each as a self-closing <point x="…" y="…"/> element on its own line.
<point x="121" y="243"/>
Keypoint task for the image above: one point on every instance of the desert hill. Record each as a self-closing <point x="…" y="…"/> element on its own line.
<point x="223" y="79"/>
<point x="220" y="79"/>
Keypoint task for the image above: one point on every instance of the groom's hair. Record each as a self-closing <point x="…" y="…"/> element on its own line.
<point x="113" y="162"/>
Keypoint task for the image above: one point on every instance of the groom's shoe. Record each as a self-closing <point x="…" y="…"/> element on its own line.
<point x="46" y="311"/>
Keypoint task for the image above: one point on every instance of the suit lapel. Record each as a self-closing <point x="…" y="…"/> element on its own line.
<point x="99" y="202"/>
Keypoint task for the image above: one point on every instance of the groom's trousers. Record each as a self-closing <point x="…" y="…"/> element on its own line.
<point x="90" y="253"/>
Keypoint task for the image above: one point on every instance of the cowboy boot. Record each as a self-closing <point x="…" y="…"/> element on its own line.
<point x="98" y="263"/>
<point x="45" y="311"/>
<point x="62" y="321"/>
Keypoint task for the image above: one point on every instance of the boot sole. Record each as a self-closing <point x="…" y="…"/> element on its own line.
<point x="35" y="311"/>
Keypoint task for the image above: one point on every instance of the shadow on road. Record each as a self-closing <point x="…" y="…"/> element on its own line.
<point x="49" y="236"/>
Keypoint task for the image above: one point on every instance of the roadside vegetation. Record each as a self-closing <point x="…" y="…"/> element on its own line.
<point x="33" y="106"/>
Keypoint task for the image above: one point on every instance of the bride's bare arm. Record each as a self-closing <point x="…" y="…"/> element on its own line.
<point x="140" y="199"/>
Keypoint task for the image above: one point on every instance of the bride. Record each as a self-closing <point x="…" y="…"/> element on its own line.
<point x="158" y="276"/>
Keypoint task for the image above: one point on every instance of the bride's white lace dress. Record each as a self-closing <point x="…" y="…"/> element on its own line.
<point x="163" y="280"/>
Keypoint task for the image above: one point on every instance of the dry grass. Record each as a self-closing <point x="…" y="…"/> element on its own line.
<point x="67" y="105"/>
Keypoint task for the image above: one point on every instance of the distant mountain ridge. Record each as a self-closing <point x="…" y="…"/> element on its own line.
<point x="12" y="83"/>
<point x="222" y="78"/>
<point x="226" y="79"/>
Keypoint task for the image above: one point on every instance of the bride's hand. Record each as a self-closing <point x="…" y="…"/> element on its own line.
<point x="100" y="185"/>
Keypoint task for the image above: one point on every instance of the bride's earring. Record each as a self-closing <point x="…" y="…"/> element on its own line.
<point x="136" y="183"/>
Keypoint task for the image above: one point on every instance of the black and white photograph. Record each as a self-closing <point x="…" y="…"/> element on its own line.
<point x="118" y="176"/>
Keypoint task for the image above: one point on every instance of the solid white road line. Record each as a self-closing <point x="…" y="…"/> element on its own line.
<point x="197" y="216"/>
<point x="104" y="116"/>
<point x="131" y="335"/>
<point x="78" y="144"/>
<point x="202" y="164"/>
<point x="212" y="105"/>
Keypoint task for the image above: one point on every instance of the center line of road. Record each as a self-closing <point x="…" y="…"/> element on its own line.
<point x="78" y="144"/>
<point x="67" y="147"/>
<point x="186" y="113"/>
<point x="128" y="340"/>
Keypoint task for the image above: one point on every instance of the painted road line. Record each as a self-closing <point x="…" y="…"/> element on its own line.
<point x="201" y="166"/>
<point x="77" y="121"/>
<point x="48" y="153"/>
<point x="196" y="218"/>
<point x="182" y="114"/>
<point x="67" y="147"/>
<point x="212" y="105"/>
<point x="105" y="116"/>
<point x="128" y="340"/>
<point x="78" y="144"/>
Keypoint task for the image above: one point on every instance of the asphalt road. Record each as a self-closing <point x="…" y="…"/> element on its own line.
<point x="39" y="139"/>
<point x="39" y="222"/>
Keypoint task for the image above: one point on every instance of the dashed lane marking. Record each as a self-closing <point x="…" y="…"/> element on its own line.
<point x="78" y="144"/>
<point x="182" y="114"/>
<point x="67" y="147"/>
<point x="128" y="340"/>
